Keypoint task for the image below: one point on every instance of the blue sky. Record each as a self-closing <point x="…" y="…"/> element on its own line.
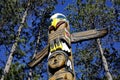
<point x="60" y="9"/>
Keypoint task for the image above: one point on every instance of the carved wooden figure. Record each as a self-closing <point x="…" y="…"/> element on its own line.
<point x="60" y="66"/>
<point x="60" y="43"/>
<point x="58" y="50"/>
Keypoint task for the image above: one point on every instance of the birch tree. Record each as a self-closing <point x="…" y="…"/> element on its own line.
<point x="35" y="52"/>
<point x="91" y="15"/>
<point x="10" y="58"/>
<point x="82" y="15"/>
<point x="105" y="64"/>
<point x="41" y="31"/>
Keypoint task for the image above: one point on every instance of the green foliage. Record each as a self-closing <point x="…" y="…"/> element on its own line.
<point x="82" y="15"/>
<point x="90" y="15"/>
<point x="16" y="72"/>
<point x="94" y="14"/>
<point x="11" y="14"/>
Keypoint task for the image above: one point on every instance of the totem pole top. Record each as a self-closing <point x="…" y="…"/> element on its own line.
<point x="59" y="28"/>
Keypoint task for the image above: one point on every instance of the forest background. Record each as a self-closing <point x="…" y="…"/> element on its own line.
<point x="24" y="25"/>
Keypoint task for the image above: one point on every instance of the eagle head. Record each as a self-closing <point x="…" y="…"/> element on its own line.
<point x="56" y="18"/>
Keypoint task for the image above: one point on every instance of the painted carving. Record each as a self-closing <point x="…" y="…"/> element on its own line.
<point x="59" y="44"/>
<point x="59" y="36"/>
<point x="60" y="62"/>
<point x="60" y="66"/>
<point x="58" y="50"/>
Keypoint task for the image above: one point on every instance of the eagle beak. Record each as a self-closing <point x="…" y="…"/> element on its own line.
<point x="54" y="23"/>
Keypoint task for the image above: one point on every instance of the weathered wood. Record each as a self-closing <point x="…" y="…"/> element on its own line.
<point x="60" y="60"/>
<point x="56" y="63"/>
<point x="39" y="57"/>
<point x="87" y="35"/>
<point x="75" y="37"/>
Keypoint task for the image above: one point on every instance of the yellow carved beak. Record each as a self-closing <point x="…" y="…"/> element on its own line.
<point x="54" y="22"/>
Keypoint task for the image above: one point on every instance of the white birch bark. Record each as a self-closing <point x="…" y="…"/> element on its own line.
<point x="10" y="58"/>
<point x="105" y="64"/>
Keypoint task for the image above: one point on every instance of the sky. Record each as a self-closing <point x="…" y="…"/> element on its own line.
<point x="60" y="9"/>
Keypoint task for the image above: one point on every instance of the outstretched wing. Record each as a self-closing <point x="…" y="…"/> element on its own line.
<point x="86" y="35"/>
<point x="75" y="37"/>
<point x="39" y="57"/>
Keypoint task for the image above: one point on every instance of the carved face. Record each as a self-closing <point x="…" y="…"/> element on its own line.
<point x="56" y="61"/>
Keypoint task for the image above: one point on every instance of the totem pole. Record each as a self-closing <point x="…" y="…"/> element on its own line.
<point x="58" y="50"/>
<point x="60" y="62"/>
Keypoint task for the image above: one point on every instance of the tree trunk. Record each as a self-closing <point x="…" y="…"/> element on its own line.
<point x="9" y="61"/>
<point x="108" y="75"/>
<point x="37" y="43"/>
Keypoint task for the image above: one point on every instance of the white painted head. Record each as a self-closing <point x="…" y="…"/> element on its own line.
<point x="58" y="15"/>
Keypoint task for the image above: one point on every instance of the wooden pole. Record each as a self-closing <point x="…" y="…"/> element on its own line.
<point x="58" y="50"/>
<point x="75" y="37"/>
<point x="60" y="60"/>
